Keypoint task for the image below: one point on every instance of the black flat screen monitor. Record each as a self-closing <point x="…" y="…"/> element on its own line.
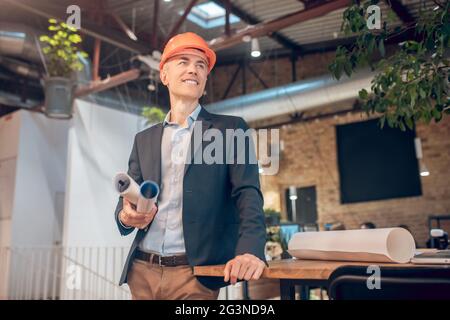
<point x="375" y="163"/>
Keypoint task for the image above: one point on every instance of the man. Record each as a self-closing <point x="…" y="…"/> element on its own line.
<point x="207" y="213"/>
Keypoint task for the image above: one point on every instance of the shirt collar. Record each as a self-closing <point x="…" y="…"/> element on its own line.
<point x="191" y="118"/>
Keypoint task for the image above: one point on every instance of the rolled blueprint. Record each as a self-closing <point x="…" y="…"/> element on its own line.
<point x="127" y="187"/>
<point x="143" y="196"/>
<point x="148" y="194"/>
<point x="378" y="245"/>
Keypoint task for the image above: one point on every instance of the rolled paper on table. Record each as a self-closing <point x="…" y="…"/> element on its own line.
<point x="148" y="194"/>
<point x="395" y="245"/>
<point x="127" y="187"/>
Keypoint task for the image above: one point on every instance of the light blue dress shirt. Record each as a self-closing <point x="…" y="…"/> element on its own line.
<point x="165" y="235"/>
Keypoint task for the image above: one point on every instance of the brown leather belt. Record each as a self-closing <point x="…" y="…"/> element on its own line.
<point x="168" y="261"/>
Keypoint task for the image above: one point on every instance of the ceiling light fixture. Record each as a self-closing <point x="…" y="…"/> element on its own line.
<point x="256" y="52"/>
<point x="424" y="172"/>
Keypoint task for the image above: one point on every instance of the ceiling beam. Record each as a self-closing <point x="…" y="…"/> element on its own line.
<point x="87" y="27"/>
<point x="109" y="83"/>
<point x="123" y="26"/>
<point x="96" y="15"/>
<point x="180" y="21"/>
<point x="283" y="53"/>
<point x="96" y="60"/>
<point x="312" y="3"/>
<point x="266" y="28"/>
<point x="311" y="48"/>
<point x="125" y="4"/>
<point x="155" y="24"/>
<point x="249" y="19"/>
<point x="227" y="17"/>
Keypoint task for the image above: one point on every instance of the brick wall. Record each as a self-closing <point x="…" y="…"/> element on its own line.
<point x="310" y="159"/>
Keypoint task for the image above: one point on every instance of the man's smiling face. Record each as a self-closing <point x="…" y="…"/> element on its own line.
<point x="185" y="75"/>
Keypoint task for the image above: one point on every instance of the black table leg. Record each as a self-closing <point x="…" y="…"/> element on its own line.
<point x="304" y="292"/>
<point x="287" y="290"/>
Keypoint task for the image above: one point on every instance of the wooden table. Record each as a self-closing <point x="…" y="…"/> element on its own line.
<point x="292" y="272"/>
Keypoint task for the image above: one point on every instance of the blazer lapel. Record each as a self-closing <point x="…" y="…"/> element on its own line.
<point x="205" y="120"/>
<point x="156" y="142"/>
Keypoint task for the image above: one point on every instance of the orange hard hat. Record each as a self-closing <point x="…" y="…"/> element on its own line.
<point x="185" y="41"/>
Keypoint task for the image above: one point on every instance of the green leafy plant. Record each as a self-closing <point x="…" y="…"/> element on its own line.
<point x="153" y="114"/>
<point x="410" y="85"/>
<point x="62" y="49"/>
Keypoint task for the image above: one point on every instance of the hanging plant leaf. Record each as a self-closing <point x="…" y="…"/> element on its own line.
<point x="411" y="81"/>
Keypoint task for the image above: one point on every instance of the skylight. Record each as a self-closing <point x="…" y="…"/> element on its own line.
<point x="209" y="15"/>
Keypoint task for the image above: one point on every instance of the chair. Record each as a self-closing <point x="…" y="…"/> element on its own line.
<point x="396" y="283"/>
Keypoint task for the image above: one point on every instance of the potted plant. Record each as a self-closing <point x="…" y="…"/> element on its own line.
<point x="63" y="59"/>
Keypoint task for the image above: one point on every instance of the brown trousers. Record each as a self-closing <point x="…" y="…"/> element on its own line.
<point x="149" y="281"/>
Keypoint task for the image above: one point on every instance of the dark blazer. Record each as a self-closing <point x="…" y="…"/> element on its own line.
<point x="222" y="203"/>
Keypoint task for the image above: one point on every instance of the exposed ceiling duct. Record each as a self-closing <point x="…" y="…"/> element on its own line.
<point x="18" y="41"/>
<point x="295" y="97"/>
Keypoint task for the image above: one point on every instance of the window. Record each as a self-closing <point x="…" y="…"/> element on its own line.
<point x="209" y="15"/>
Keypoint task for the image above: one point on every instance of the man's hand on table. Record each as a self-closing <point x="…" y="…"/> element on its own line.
<point x="243" y="267"/>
